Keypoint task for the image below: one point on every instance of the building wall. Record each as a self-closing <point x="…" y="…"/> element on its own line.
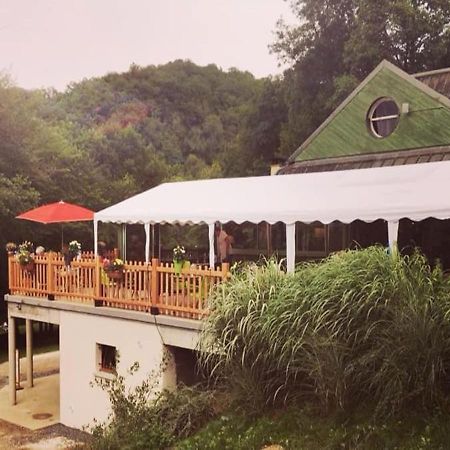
<point x="79" y="335"/>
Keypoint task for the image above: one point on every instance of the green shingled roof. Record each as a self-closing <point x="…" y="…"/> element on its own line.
<point x="346" y="132"/>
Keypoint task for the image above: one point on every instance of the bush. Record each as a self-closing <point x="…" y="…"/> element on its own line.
<point x="359" y="325"/>
<point x="146" y="418"/>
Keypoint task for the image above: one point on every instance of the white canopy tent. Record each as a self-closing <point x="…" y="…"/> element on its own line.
<point x="415" y="191"/>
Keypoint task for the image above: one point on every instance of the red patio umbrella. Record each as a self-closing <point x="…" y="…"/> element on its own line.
<point x="58" y="212"/>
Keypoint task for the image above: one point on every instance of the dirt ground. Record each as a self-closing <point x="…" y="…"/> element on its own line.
<point x="54" y="437"/>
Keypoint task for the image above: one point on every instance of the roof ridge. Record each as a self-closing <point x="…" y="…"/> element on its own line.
<point x="430" y="72"/>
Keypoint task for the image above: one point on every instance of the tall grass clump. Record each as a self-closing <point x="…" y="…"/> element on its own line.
<point x="360" y="325"/>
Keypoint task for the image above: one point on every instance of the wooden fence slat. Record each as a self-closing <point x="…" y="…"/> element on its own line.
<point x="143" y="285"/>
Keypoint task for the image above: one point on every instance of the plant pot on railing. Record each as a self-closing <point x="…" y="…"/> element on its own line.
<point x="29" y="267"/>
<point x="115" y="275"/>
<point x="179" y="255"/>
<point x="114" y="269"/>
<point x="26" y="261"/>
<point x="178" y="266"/>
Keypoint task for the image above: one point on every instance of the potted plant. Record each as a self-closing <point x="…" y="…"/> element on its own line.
<point x="114" y="269"/>
<point x="71" y="251"/>
<point x="74" y="249"/>
<point x="25" y="260"/>
<point x="26" y="246"/>
<point x="179" y="258"/>
<point x="11" y="248"/>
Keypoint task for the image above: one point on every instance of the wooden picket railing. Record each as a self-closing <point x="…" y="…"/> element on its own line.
<point x="149" y="287"/>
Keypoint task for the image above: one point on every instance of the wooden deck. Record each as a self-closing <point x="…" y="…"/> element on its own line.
<point x="144" y="285"/>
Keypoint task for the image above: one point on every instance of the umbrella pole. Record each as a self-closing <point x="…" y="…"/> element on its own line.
<point x="62" y="237"/>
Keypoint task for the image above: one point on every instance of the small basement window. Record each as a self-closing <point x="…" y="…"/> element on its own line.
<point x="106" y="358"/>
<point x="383" y="117"/>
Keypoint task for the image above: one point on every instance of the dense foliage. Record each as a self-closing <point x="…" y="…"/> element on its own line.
<point x="105" y="139"/>
<point x="361" y="324"/>
<point x="307" y="429"/>
<point x="350" y="352"/>
<point x="146" y="418"/>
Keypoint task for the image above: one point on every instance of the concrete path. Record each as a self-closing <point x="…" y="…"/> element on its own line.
<point x="37" y="407"/>
<point x="32" y="424"/>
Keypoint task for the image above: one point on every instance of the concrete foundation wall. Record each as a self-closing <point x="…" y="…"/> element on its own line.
<point x="79" y="335"/>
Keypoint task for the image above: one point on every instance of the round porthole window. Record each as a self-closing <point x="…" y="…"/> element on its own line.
<point x="383" y="117"/>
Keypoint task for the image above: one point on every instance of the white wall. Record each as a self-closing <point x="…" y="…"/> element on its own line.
<point x="79" y="333"/>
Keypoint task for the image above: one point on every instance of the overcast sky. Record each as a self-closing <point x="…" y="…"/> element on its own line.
<point x="53" y="42"/>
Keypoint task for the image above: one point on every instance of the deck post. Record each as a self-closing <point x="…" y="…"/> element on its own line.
<point x="10" y="272"/>
<point x="97" y="282"/>
<point x="50" y="274"/>
<point x="154" y="282"/>
<point x="29" y="348"/>
<point x="12" y="359"/>
<point x="225" y="270"/>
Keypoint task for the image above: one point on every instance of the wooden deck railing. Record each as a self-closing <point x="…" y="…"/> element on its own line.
<point x="146" y="287"/>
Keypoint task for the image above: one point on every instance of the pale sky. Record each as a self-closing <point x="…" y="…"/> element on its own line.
<point x="47" y="43"/>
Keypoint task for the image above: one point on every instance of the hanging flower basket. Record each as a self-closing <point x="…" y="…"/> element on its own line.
<point x="114" y="269"/>
<point x="25" y="260"/>
<point x="116" y="275"/>
<point x="29" y="267"/>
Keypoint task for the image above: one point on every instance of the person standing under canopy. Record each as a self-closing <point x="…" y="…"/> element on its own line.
<point x="223" y="242"/>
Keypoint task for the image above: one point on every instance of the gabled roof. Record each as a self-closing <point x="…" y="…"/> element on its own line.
<point x="345" y="133"/>
<point x="439" y="80"/>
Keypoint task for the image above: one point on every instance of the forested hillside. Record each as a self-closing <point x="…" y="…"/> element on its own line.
<point x="104" y="139"/>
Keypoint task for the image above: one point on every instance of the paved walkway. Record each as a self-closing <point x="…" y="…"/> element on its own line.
<point x="37" y="407"/>
<point x="32" y="424"/>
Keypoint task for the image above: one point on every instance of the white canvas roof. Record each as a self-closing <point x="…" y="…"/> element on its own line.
<point x="415" y="191"/>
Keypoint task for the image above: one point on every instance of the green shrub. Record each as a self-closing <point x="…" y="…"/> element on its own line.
<point x="301" y="428"/>
<point x="147" y="418"/>
<point x="360" y="324"/>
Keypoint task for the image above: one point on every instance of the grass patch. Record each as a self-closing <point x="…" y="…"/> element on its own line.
<point x="295" y="428"/>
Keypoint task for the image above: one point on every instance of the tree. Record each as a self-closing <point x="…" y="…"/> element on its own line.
<point x="338" y="42"/>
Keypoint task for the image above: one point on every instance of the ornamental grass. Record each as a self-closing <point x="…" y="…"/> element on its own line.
<point x="358" y="327"/>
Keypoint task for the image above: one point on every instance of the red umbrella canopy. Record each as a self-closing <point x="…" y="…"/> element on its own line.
<point x="58" y="212"/>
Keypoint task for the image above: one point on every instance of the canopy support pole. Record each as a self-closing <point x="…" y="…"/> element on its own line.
<point x="393" y="235"/>
<point x="153" y="241"/>
<point x="95" y="238"/>
<point x="290" y="247"/>
<point x="147" y="242"/>
<point x="211" y="245"/>
<point x="123" y="249"/>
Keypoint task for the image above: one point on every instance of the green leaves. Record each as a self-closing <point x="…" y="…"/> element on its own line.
<point x="357" y="325"/>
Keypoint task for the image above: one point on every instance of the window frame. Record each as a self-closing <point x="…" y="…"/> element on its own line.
<point x="102" y="368"/>
<point x="371" y="119"/>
